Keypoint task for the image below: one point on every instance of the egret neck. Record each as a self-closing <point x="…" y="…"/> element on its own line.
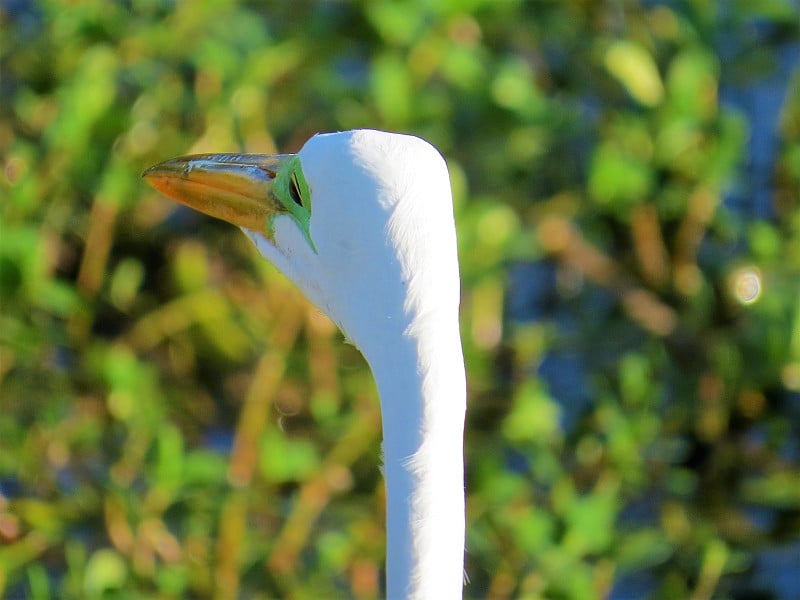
<point x="421" y="382"/>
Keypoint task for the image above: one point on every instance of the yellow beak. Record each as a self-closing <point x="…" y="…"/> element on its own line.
<point x="233" y="187"/>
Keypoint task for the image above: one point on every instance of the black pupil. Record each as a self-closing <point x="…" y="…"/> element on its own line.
<point x="294" y="192"/>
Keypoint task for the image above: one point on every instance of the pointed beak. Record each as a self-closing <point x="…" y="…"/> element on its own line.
<point x="233" y="187"/>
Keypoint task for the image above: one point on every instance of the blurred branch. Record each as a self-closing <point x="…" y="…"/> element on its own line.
<point x="714" y="559"/>
<point x="648" y="244"/>
<point x="558" y="236"/>
<point x="333" y="476"/>
<point x="252" y="421"/>
<point x="175" y="316"/>
<point x="98" y="245"/>
<point x="702" y="206"/>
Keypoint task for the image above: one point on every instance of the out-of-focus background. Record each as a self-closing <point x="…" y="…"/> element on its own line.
<point x="176" y="421"/>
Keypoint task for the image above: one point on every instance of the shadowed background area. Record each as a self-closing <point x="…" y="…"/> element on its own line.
<point x="176" y="421"/>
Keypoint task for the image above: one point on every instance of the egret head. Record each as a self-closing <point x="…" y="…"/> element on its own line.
<point x="361" y="221"/>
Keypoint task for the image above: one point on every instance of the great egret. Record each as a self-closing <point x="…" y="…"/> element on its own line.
<point x="362" y="222"/>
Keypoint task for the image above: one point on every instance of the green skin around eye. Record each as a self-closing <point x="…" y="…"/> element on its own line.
<point x="281" y="189"/>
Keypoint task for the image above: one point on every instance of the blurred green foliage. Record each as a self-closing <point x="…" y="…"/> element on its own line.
<point x="178" y="423"/>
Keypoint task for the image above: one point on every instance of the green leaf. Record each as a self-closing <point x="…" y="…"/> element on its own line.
<point x="106" y="570"/>
<point x="534" y="417"/>
<point x="692" y="84"/>
<point x="284" y="459"/>
<point x="634" y="67"/>
<point x="618" y="179"/>
<point x="391" y="89"/>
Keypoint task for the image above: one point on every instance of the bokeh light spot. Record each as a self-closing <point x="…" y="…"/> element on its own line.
<point x="746" y="285"/>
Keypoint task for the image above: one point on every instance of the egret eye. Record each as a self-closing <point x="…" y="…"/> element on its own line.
<point x="294" y="190"/>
